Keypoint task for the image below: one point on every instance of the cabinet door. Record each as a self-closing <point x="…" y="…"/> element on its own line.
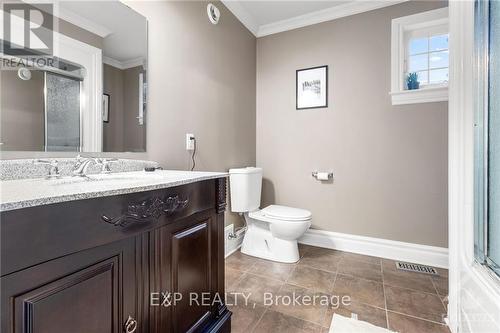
<point x="92" y="291"/>
<point x="183" y="264"/>
<point x="191" y="275"/>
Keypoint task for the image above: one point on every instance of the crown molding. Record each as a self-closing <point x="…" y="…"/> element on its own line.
<point x="82" y="22"/>
<point x="324" y="15"/>
<point x="332" y="13"/>
<point x="242" y="15"/>
<point x="123" y="64"/>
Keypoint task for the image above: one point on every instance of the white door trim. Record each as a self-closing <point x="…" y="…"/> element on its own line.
<point x="474" y="295"/>
<point x="90" y="58"/>
<point x="384" y="248"/>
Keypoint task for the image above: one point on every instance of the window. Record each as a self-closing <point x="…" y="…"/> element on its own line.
<point x="427" y="56"/>
<point x="420" y="45"/>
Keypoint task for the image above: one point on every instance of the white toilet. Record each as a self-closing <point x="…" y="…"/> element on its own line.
<point x="273" y="231"/>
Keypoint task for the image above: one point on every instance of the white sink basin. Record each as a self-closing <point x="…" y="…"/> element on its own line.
<point x="126" y="176"/>
<point x="113" y="178"/>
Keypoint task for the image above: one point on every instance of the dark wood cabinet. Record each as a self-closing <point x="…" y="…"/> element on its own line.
<point x="117" y="280"/>
<point x="90" y="291"/>
<point x="187" y="253"/>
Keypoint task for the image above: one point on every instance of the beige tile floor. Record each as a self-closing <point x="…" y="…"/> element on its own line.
<point x="379" y="293"/>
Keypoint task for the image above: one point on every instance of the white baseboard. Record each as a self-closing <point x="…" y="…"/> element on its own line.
<point x="232" y="251"/>
<point x="389" y="249"/>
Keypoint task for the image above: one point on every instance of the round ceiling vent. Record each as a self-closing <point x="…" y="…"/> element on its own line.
<point x="213" y="13"/>
<point x="24" y="74"/>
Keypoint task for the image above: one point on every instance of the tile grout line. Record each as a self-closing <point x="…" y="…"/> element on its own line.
<point x="319" y="269"/>
<point x="419" y="318"/>
<point x="258" y="321"/>
<point x="385" y="297"/>
<point x="440" y="297"/>
<point x="333" y="286"/>
<point x="357" y="277"/>
<point x="283" y="283"/>
<point x="237" y="280"/>
<point x="417" y="290"/>
<point x="414" y="290"/>
<point x="307" y="290"/>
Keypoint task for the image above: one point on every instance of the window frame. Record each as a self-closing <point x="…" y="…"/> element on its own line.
<point x="428" y="34"/>
<point x="402" y="29"/>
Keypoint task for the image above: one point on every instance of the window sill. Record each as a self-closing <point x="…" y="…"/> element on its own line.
<point x="423" y="95"/>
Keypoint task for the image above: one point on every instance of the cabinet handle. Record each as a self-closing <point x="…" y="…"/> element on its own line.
<point x="130" y="325"/>
<point x="147" y="210"/>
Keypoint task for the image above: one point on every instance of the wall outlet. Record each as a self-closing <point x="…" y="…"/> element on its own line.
<point x="190" y="141"/>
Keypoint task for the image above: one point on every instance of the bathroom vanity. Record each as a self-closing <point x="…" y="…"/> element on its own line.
<point x="123" y="252"/>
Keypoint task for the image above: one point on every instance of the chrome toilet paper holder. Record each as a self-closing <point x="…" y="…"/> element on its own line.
<point x="315" y="174"/>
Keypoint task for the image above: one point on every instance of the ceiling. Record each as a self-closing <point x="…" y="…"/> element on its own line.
<point x="265" y="12"/>
<point x="124" y="31"/>
<point x="268" y="17"/>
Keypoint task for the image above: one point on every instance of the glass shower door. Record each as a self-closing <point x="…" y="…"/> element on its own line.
<point x="487" y="150"/>
<point x="62" y="113"/>
<point x="493" y="234"/>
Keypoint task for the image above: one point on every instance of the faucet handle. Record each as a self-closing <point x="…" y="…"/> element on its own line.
<point x="104" y="163"/>
<point x="79" y="160"/>
<point x="54" y="167"/>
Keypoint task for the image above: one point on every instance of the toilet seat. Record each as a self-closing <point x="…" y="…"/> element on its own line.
<point x="282" y="214"/>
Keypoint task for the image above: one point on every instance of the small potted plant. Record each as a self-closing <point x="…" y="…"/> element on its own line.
<point x="412" y="81"/>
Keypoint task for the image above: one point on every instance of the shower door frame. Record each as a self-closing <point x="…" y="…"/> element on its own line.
<point x="90" y="59"/>
<point x="481" y="154"/>
<point x="474" y="294"/>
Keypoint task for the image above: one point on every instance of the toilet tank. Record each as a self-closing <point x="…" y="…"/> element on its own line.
<point x="245" y="185"/>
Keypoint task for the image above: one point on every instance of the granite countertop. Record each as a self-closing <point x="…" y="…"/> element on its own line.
<point x="23" y="193"/>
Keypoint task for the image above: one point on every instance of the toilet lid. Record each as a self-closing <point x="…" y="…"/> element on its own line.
<point x="286" y="213"/>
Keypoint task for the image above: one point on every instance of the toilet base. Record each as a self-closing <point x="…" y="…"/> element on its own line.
<point x="259" y="242"/>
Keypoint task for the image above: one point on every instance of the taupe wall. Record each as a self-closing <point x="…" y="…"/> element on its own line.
<point x="134" y="134"/>
<point x="113" y="130"/>
<point x="123" y="132"/>
<point x="201" y="80"/>
<point x="22" y="119"/>
<point x="390" y="162"/>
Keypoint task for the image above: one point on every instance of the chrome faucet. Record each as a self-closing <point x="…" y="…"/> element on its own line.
<point x="105" y="162"/>
<point x="53" y="168"/>
<point x="82" y="164"/>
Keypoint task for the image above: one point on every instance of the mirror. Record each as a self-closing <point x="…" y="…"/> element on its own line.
<point x="73" y="77"/>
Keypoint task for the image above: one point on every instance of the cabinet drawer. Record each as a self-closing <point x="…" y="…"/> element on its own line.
<point x="52" y="231"/>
